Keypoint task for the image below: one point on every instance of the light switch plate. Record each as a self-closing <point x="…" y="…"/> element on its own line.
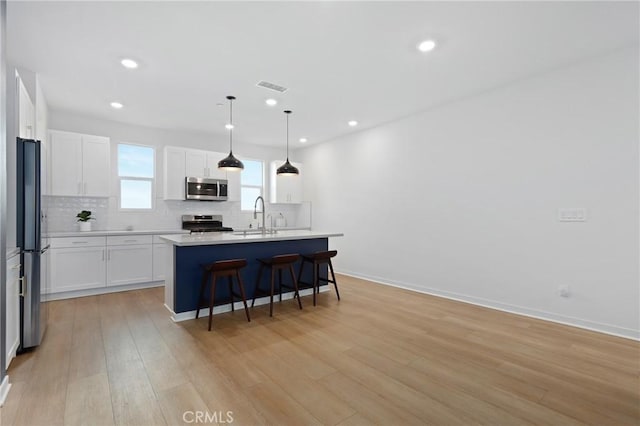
<point x="573" y="214"/>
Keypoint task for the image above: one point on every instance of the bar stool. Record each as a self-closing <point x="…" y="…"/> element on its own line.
<point x="319" y="258"/>
<point x="220" y="269"/>
<point x="277" y="263"/>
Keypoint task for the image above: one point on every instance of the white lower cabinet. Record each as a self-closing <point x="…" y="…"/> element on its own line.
<point x="77" y="263"/>
<point x="159" y="264"/>
<point x="12" y="338"/>
<point x="77" y="268"/>
<point x="129" y="264"/>
<point x="83" y="263"/>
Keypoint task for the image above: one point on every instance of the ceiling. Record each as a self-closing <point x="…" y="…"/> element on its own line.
<point x="340" y="60"/>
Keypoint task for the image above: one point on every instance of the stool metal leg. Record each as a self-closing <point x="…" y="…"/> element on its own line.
<point x="273" y="276"/>
<point x="295" y="285"/>
<point x="203" y="284"/>
<point x="296" y="294"/>
<point x="255" y="291"/>
<point x="230" y="278"/>
<point x="335" y="283"/>
<point x="316" y="284"/>
<point x="214" y="278"/>
<point x="244" y="298"/>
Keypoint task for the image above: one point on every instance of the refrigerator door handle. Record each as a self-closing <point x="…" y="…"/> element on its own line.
<point x="23" y="286"/>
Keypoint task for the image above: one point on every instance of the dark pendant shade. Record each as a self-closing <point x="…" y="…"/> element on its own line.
<point x="230" y="163"/>
<point x="287" y="169"/>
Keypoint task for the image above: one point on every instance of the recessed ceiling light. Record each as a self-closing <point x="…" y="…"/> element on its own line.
<point x="129" y="63"/>
<point x="271" y="102"/>
<point x="303" y="140"/>
<point x="116" y="105"/>
<point x="228" y="126"/>
<point x="353" y="123"/>
<point x="426" y="46"/>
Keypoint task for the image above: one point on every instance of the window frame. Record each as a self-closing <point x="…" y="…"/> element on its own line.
<point x="137" y="178"/>
<point x="261" y="187"/>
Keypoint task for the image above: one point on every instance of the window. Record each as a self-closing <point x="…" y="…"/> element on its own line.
<point x="135" y="173"/>
<point x="252" y="183"/>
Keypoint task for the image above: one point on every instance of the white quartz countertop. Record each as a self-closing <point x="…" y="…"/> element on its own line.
<point x="116" y="232"/>
<point x="213" y="238"/>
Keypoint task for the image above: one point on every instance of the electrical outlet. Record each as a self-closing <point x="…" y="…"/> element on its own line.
<point x="564" y="291"/>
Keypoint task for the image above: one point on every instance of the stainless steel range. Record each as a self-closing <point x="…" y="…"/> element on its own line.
<point x="200" y="223"/>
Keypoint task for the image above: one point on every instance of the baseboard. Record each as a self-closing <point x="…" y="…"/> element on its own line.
<point x="4" y="390"/>
<point x="100" y="290"/>
<point x="12" y="353"/>
<point x="189" y="315"/>
<point x="613" y="330"/>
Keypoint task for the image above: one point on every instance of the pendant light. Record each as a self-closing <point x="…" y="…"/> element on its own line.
<point x="287" y="169"/>
<point x="230" y="163"/>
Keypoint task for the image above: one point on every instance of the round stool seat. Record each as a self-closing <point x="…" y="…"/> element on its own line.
<point x="320" y="255"/>
<point x="223" y="265"/>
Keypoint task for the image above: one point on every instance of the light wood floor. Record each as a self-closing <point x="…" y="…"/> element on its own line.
<point x="380" y="356"/>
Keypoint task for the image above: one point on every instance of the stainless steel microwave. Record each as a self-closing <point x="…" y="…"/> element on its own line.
<point x="205" y="189"/>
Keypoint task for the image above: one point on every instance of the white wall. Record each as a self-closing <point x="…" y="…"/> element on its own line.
<point x="166" y="214"/>
<point x="462" y="200"/>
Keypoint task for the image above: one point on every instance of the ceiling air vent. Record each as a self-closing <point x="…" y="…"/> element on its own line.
<point x="271" y="86"/>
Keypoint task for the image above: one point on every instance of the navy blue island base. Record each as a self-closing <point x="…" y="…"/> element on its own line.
<point x="187" y="270"/>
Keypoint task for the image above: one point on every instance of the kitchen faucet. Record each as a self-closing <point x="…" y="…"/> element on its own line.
<point x="255" y="213"/>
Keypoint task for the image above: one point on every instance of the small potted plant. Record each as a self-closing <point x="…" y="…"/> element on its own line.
<point x="83" y="219"/>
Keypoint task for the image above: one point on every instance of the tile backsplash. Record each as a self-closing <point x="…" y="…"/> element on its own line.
<point x="62" y="211"/>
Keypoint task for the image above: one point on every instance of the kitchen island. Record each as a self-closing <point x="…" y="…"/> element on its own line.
<point x="189" y="252"/>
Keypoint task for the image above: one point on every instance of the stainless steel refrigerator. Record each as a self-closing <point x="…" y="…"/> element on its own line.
<point x="34" y="255"/>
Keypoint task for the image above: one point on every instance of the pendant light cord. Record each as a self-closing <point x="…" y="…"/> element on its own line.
<point x="287" y="137"/>
<point x="231" y="129"/>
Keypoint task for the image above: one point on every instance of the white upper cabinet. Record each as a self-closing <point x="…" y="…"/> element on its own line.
<point x="212" y="166"/>
<point x="204" y="164"/>
<point x="95" y="165"/>
<point x="196" y="163"/>
<point x="181" y="162"/>
<point x="285" y="189"/>
<point x="174" y="173"/>
<point x="66" y="163"/>
<point x="26" y="113"/>
<point x="79" y="164"/>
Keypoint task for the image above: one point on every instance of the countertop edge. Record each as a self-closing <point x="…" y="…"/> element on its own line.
<point x="113" y="233"/>
<point x="250" y="239"/>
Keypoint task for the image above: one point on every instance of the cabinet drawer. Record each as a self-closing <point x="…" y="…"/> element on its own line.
<point x="69" y="242"/>
<point x="125" y="240"/>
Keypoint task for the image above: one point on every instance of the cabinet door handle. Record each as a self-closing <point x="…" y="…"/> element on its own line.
<point x="85" y="188"/>
<point x="130" y="241"/>
<point x="79" y="242"/>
